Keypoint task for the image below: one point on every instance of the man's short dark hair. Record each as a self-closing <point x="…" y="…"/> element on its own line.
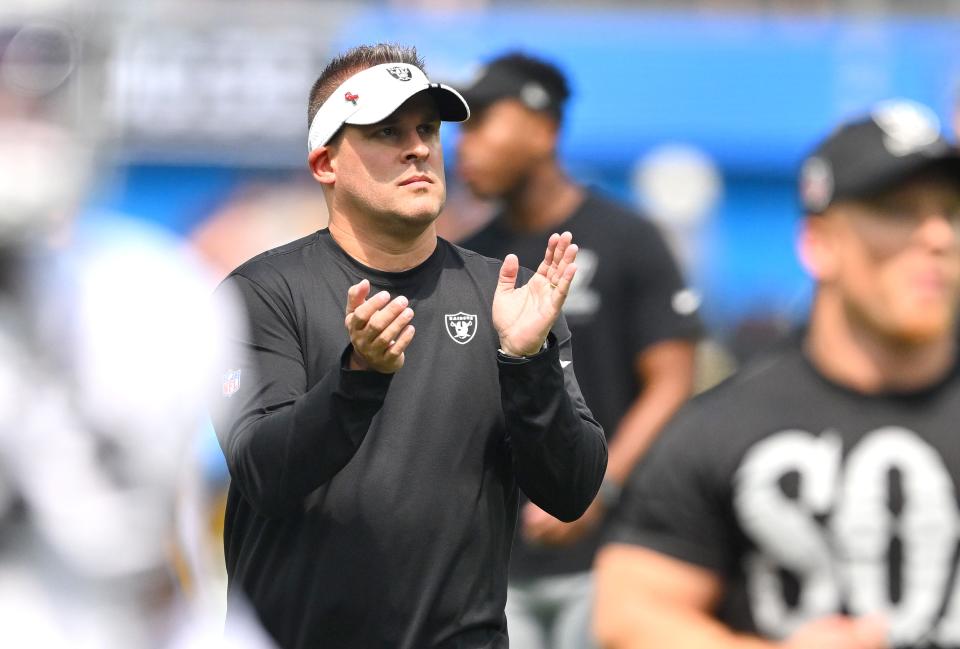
<point x="354" y="60"/>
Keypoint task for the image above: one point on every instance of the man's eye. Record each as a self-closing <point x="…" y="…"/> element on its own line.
<point x="387" y="131"/>
<point x="429" y="129"/>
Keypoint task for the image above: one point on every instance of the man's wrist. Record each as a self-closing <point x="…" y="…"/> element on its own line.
<point x="512" y="354"/>
<point x="356" y="361"/>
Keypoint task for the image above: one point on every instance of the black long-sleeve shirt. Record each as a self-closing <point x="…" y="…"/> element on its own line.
<point x="372" y="510"/>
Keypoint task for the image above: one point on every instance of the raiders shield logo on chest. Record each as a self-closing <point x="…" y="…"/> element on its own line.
<point x="461" y="327"/>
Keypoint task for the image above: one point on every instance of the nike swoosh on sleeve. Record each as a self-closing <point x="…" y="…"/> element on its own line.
<point x="564" y="363"/>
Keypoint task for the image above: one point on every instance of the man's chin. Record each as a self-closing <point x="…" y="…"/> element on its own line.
<point x="918" y="331"/>
<point x="425" y="216"/>
<point x="415" y="219"/>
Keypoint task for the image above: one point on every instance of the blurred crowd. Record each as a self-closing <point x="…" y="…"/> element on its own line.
<point x="112" y="484"/>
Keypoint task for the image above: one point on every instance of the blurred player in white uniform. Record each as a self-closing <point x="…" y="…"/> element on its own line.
<point x="106" y="347"/>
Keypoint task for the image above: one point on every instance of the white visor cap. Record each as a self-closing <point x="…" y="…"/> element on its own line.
<point x="373" y="94"/>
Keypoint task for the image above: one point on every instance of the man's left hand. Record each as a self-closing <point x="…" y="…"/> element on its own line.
<point x="523" y="316"/>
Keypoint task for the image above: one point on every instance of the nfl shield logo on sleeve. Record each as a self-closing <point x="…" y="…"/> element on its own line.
<point x="231" y="383"/>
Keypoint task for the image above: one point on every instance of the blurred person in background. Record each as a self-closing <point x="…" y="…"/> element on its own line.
<point x="634" y="325"/>
<point x="106" y="338"/>
<point x="375" y="466"/>
<point x="255" y="217"/>
<point x="247" y="224"/>
<point x="811" y="500"/>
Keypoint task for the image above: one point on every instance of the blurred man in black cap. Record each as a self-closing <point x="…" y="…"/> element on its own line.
<point x="811" y="500"/>
<point x="633" y="323"/>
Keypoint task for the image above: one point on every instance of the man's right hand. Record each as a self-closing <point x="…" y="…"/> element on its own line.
<point x="379" y="329"/>
<point x="840" y="632"/>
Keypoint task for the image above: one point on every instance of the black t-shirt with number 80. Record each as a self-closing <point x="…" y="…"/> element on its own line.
<point x="808" y="499"/>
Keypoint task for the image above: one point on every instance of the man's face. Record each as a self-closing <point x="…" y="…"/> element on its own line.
<point x="500" y="144"/>
<point x="392" y="171"/>
<point x="896" y="259"/>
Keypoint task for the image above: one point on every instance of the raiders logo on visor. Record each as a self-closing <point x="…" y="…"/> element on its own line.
<point x="400" y="72"/>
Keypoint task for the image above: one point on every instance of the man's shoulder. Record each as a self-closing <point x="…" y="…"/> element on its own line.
<point x="616" y="222"/>
<point x="760" y="387"/>
<point x="599" y="206"/>
<point x="712" y="431"/>
<point x="280" y="261"/>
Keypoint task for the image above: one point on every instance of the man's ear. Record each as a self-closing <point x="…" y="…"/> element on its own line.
<point x="815" y="248"/>
<point x="321" y="163"/>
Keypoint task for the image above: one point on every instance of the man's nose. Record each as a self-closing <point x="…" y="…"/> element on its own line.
<point x="417" y="148"/>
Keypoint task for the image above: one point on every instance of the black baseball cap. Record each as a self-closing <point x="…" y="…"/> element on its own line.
<point x="537" y="84"/>
<point x="864" y="157"/>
